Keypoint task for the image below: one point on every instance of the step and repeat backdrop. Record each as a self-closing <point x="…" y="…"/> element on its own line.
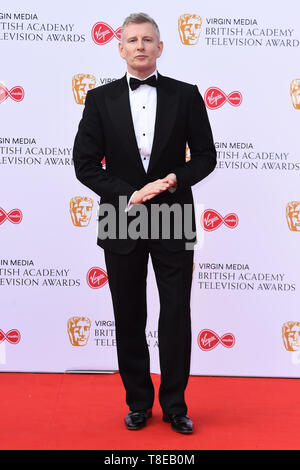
<point x="56" y="311"/>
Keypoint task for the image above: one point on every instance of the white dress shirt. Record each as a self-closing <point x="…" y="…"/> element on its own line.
<point x="143" y="102"/>
<point x="143" y="110"/>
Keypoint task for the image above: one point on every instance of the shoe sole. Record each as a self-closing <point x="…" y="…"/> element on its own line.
<point x="182" y="432"/>
<point x="135" y="428"/>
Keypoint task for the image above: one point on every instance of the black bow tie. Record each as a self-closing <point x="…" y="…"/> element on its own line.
<point x="135" y="83"/>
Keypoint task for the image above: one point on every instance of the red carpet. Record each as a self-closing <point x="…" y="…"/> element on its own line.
<point x="82" y="412"/>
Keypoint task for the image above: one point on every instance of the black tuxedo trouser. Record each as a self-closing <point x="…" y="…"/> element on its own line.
<point x="127" y="275"/>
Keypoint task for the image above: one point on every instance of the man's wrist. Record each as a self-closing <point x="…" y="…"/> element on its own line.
<point x="130" y="203"/>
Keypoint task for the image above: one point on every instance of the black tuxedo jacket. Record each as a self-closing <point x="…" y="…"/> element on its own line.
<point x="106" y="129"/>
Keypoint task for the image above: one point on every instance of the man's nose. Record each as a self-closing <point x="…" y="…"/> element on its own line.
<point x="140" y="44"/>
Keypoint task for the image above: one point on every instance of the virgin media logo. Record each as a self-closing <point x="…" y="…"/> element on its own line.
<point x="208" y="340"/>
<point x="102" y="33"/>
<point x="96" y="277"/>
<point x="16" y="93"/>
<point x="211" y="220"/>
<point x="215" y="98"/>
<point x="12" y="336"/>
<point x="14" y="216"/>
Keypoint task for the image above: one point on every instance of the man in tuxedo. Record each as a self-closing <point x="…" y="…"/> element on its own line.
<point x="142" y="124"/>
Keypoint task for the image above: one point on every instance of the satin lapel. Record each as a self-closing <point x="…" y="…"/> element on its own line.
<point x="118" y="106"/>
<point x="166" y="111"/>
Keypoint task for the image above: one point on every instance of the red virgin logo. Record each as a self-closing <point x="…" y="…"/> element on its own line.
<point x="102" y="33"/>
<point x="211" y="220"/>
<point x="96" y="277"/>
<point x="14" y="216"/>
<point x="208" y="340"/>
<point x="215" y="98"/>
<point x="16" y="93"/>
<point x="12" y="336"/>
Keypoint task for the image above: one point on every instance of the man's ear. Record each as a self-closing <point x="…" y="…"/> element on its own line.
<point x="160" y="48"/>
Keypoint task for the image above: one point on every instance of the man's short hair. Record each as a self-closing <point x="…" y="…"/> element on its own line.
<point x="139" y="18"/>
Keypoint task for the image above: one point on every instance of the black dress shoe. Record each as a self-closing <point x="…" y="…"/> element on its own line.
<point x="179" y="423"/>
<point x="137" y="419"/>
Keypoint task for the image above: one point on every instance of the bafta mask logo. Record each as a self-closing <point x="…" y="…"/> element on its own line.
<point x="81" y="210"/>
<point x="295" y="93"/>
<point x="293" y="215"/>
<point x="81" y="84"/>
<point x="291" y="335"/>
<point x="79" y="330"/>
<point x="189" y="26"/>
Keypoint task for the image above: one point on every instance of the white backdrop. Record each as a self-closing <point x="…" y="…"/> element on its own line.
<point x="245" y="294"/>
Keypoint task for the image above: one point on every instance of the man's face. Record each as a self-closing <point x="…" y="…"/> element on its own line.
<point x="140" y="48"/>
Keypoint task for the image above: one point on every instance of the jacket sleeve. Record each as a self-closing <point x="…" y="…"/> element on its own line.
<point x="88" y="151"/>
<point x="201" y="144"/>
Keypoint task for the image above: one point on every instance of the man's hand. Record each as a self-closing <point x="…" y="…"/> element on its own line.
<point x="154" y="188"/>
<point x="171" y="179"/>
<point x="149" y="191"/>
